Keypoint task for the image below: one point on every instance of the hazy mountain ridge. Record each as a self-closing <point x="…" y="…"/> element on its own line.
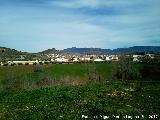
<point x="134" y="49"/>
<point x="74" y="50"/>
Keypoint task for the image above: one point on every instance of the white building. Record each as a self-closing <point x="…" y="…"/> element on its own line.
<point x="114" y="57"/>
<point x="85" y="59"/>
<point x="98" y="60"/>
<point x="75" y="60"/>
<point x="22" y="62"/>
<point x="108" y="58"/>
<point x="61" y="60"/>
<point x="136" y="58"/>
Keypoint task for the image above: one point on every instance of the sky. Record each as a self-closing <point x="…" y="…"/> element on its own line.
<point x="36" y="25"/>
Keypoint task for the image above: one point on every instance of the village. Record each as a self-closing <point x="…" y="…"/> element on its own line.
<point x="73" y="58"/>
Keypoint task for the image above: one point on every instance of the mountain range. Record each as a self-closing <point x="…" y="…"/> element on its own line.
<point x="74" y="50"/>
<point x="130" y="50"/>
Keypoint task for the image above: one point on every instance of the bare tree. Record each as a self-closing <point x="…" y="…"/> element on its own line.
<point x="124" y="69"/>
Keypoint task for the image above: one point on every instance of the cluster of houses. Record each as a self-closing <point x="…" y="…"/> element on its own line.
<point x="137" y="58"/>
<point x="63" y="58"/>
<point x="83" y="58"/>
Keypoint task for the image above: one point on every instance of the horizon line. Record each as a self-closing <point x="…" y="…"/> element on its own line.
<point x="80" y="48"/>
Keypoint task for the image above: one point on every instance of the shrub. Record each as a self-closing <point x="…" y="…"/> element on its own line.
<point x="20" y="64"/>
<point x="41" y="63"/>
<point x="13" y="64"/>
<point x="150" y="72"/>
<point x="124" y="70"/>
<point x="92" y="74"/>
<point x="26" y="63"/>
<point x="46" y="62"/>
<point x="34" y="63"/>
<point x="5" y="64"/>
<point x="157" y="59"/>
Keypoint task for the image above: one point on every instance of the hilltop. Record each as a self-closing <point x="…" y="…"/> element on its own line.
<point x="49" y="51"/>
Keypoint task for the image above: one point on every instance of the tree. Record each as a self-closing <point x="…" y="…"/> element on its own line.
<point x="2" y="53"/>
<point x="124" y="70"/>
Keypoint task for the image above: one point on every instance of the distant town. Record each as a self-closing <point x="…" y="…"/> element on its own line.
<point x="77" y="55"/>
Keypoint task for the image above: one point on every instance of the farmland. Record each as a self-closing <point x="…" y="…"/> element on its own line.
<point x="73" y="91"/>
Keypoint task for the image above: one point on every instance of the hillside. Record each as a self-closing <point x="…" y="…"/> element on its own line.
<point x="9" y="51"/>
<point x="12" y="54"/>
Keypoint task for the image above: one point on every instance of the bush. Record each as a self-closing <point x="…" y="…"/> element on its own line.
<point x="125" y="71"/>
<point x="150" y="72"/>
<point x="5" y="64"/>
<point x="20" y="64"/>
<point x="13" y="64"/>
<point x="41" y="63"/>
<point x="46" y="62"/>
<point x="35" y="63"/>
<point x="26" y="63"/>
<point x="92" y="74"/>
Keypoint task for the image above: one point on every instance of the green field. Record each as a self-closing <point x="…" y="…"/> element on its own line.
<point x="23" y="77"/>
<point x="69" y="91"/>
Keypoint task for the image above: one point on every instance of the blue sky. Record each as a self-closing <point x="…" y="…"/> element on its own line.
<point x="35" y="25"/>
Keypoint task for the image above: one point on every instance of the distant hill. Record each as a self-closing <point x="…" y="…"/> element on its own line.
<point x="138" y="49"/>
<point x="12" y="54"/>
<point x="75" y="50"/>
<point x="49" y="51"/>
<point x="131" y="50"/>
<point x="9" y="51"/>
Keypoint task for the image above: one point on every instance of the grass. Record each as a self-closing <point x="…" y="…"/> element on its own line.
<point x="75" y="70"/>
<point x="61" y="92"/>
<point x="71" y="102"/>
<point x="6" y="71"/>
<point x="57" y="69"/>
<point x="58" y="74"/>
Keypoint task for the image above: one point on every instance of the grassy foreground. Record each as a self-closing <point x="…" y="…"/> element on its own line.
<point x="72" y="102"/>
<point x="64" y="92"/>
